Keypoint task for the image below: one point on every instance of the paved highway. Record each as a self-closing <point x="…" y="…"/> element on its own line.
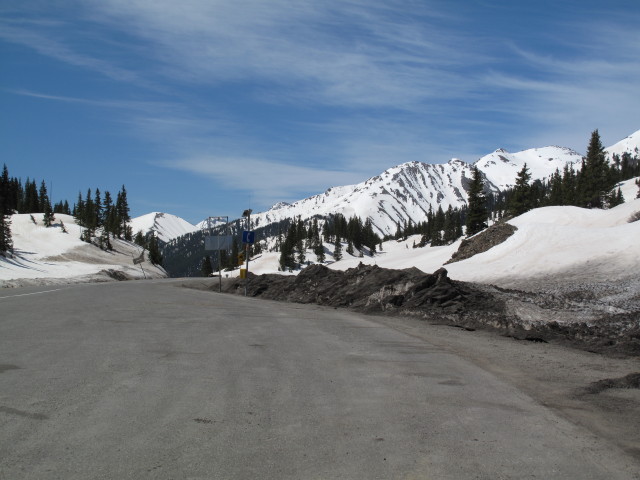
<point x="149" y="380"/>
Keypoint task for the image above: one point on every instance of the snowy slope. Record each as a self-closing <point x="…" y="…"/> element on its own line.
<point x="403" y="192"/>
<point x="166" y="226"/>
<point x="630" y="145"/>
<point x="48" y="255"/>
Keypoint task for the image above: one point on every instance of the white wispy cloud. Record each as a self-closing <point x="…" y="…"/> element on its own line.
<point x="263" y="180"/>
<point x="337" y="53"/>
<point x="28" y="34"/>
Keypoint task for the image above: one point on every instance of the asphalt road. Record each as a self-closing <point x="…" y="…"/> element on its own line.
<point x="148" y="380"/>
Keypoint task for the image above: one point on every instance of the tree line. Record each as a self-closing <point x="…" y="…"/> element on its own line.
<point x="592" y="185"/>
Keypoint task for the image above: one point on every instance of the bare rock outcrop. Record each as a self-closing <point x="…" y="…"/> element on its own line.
<point x="483" y="241"/>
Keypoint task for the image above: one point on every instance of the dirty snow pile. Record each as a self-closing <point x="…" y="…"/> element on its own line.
<point x="49" y="255"/>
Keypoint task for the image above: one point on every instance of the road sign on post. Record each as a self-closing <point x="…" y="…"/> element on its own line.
<point x="217" y="242"/>
<point x="247" y="213"/>
<point x="248" y="237"/>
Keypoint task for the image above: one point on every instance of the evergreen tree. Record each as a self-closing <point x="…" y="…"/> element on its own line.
<point x="370" y="238"/>
<point x="78" y="210"/>
<point x="155" y="256"/>
<point x="318" y="247"/>
<point x="349" y="247"/>
<point x="48" y="217"/>
<point x="31" y="202"/>
<point x="6" y="242"/>
<point x="5" y="185"/>
<point x="569" y="186"/>
<point x="287" y="259"/>
<point x="122" y="213"/>
<point x="477" y="211"/>
<point x="555" y="189"/>
<point x="207" y="269"/>
<point x="140" y="240"/>
<point x="449" y="226"/>
<point x="595" y="176"/>
<point x="319" y="252"/>
<point x="43" y="198"/>
<point x="615" y="198"/>
<point x="337" y="250"/>
<point x="521" y="197"/>
<point x="97" y="209"/>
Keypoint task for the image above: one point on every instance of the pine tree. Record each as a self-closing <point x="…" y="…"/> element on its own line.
<point x="477" y="211"/>
<point x="449" y="226"/>
<point x="287" y="260"/>
<point x="122" y="213"/>
<point x="43" y="198"/>
<point x="98" y="209"/>
<point x="155" y="256"/>
<point x="521" y="197"/>
<point x="6" y="242"/>
<point x="319" y="252"/>
<point x="48" y="217"/>
<point x="140" y="240"/>
<point x="615" y="198"/>
<point x="595" y="176"/>
<point x="337" y="250"/>
<point x="31" y="202"/>
<point x="207" y="269"/>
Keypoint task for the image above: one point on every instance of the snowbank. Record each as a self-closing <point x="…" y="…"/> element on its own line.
<point x="49" y="255"/>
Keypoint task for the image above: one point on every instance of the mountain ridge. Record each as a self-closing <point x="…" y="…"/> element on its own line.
<point x="407" y="191"/>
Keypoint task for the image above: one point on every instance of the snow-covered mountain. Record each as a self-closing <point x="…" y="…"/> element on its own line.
<point x="166" y="226"/>
<point x="630" y="145"/>
<point x="550" y="242"/>
<point x="501" y="167"/>
<point x="205" y="224"/>
<point x="407" y="191"/>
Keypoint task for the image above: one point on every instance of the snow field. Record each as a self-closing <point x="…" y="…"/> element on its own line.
<point x="49" y="253"/>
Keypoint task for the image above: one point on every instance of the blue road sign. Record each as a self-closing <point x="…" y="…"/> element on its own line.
<point x="248" y="237"/>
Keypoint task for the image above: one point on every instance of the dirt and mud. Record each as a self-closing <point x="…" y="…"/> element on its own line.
<point x="589" y="317"/>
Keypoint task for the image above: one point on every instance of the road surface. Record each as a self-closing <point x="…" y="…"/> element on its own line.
<point x="146" y="379"/>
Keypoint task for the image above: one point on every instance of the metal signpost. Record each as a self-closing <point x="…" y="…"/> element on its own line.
<point x="247" y="238"/>
<point x="217" y="242"/>
<point x="138" y="261"/>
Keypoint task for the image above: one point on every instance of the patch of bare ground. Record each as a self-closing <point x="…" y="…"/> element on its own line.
<point x="483" y="241"/>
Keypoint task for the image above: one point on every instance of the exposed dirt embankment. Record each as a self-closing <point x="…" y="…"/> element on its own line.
<point x="437" y="298"/>
<point x="487" y="239"/>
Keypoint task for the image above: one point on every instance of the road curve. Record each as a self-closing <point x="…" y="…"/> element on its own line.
<point x="148" y="380"/>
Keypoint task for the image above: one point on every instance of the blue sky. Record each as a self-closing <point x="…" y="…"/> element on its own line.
<point x="207" y="107"/>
